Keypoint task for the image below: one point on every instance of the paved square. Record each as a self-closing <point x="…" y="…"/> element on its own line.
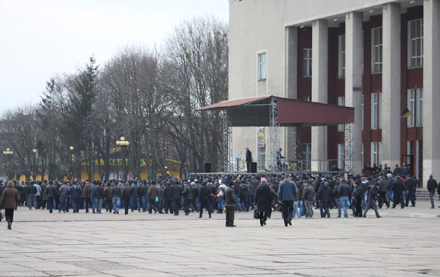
<point x="401" y="243"/>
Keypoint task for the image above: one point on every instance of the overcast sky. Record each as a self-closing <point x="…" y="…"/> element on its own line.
<point x="41" y="38"/>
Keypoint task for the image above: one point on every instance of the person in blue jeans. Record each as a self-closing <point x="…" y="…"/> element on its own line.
<point x="345" y="194"/>
<point x="64" y="195"/>
<point x="99" y="197"/>
<point x="116" y="193"/>
<point x="432" y="186"/>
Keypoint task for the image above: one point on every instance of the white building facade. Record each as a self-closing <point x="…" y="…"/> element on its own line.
<point x="378" y="56"/>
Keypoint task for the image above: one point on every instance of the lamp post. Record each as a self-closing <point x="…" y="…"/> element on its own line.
<point x="124" y="144"/>
<point x="8" y="154"/>
<point x="35" y="165"/>
<point x="71" y="162"/>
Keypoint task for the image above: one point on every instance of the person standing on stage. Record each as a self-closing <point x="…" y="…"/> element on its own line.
<point x="248" y="160"/>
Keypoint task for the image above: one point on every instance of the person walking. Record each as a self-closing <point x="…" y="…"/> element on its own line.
<point x="358" y="195"/>
<point x="383" y="184"/>
<point x="432" y="186"/>
<point x="308" y="195"/>
<point x="50" y="193"/>
<point x="230" y="201"/>
<point x="374" y="192"/>
<point x="204" y="200"/>
<point x="264" y="200"/>
<point x="9" y="201"/>
<point x="398" y="189"/>
<point x="152" y="193"/>
<point x="175" y="192"/>
<point x="126" y="194"/>
<point x="409" y="192"/>
<point x="286" y="197"/>
<point x="344" y="193"/>
<point x="324" y="197"/>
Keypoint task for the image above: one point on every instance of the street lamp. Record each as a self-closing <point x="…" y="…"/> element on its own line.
<point x="8" y="154"/>
<point x="35" y="164"/>
<point x="122" y="142"/>
<point x="71" y="162"/>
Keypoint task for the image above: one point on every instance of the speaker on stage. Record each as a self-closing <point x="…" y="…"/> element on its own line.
<point x="207" y="167"/>
<point x="253" y="167"/>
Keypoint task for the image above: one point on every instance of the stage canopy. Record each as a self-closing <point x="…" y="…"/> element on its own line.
<point x="256" y="111"/>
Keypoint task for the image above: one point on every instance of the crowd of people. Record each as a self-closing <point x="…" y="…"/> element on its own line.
<point x="293" y="195"/>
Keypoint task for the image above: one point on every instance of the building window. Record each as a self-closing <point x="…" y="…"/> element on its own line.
<point x="373" y="153"/>
<point x="410" y="106"/>
<point x="362" y="111"/>
<point x="307" y="98"/>
<point x="415" y="43"/>
<point x="380" y="153"/>
<point x="377" y="49"/>
<point x="307" y="155"/>
<point x="380" y="110"/>
<point x="341" y="156"/>
<point x="374" y="111"/>
<point x="341" y="102"/>
<point x="342" y="56"/>
<point x="307" y="62"/>
<point x="262" y="66"/>
<point x="419" y="114"/>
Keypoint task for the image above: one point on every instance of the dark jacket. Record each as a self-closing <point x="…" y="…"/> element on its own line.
<point x="116" y="191"/>
<point x="187" y="192"/>
<point x="135" y="191"/>
<point x="153" y="192"/>
<point x="359" y="193"/>
<point x="126" y="192"/>
<point x="75" y="191"/>
<point x="175" y="192"/>
<point x="432" y="185"/>
<point x="248" y="156"/>
<point x="86" y="191"/>
<point x="204" y="193"/>
<point x="308" y="193"/>
<point x="372" y="195"/>
<point x="324" y="194"/>
<point x="108" y="193"/>
<point x="383" y="184"/>
<point x="43" y="191"/>
<point x="410" y="184"/>
<point x="230" y="197"/>
<point x="50" y="191"/>
<point x="9" y="198"/>
<point x="287" y="191"/>
<point x="398" y="187"/>
<point x="32" y="190"/>
<point x="167" y="193"/>
<point x="64" y="190"/>
<point x="264" y="198"/>
<point x="99" y="192"/>
<point x="390" y="184"/>
<point x="344" y="189"/>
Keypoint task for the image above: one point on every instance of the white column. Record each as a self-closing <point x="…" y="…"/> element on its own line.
<point x="291" y="80"/>
<point x="319" y="89"/>
<point x="353" y="80"/>
<point x="431" y="88"/>
<point x="391" y="93"/>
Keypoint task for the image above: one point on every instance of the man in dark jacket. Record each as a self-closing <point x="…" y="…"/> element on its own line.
<point x="175" y="193"/>
<point x="134" y="200"/>
<point x="204" y="200"/>
<point x="374" y="192"/>
<point x="75" y="192"/>
<point x="324" y="197"/>
<point x="50" y="192"/>
<point x="153" y="192"/>
<point x="32" y="199"/>
<point x="409" y="191"/>
<point x="43" y="194"/>
<point x="230" y="202"/>
<point x="108" y="198"/>
<point x="86" y="195"/>
<point x="286" y="196"/>
<point x="126" y="195"/>
<point x="398" y="189"/>
<point x="358" y="195"/>
<point x="383" y="184"/>
<point x="344" y="194"/>
<point x="64" y="194"/>
<point x="432" y="186"/>
<point x="116" y="197"/>
<point x="143" y="192"/>
<point x="187" y="194"/>
<point x="99" y="197"/>
<point x="167" y="203"/>
<point x="308" y="195"/>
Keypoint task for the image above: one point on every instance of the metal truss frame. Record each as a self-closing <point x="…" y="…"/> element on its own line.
<point x="297" y="134"/>
<point x="227" y="143"/>
<point x="348" y="143"/>
<point x="274" y="133"/>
